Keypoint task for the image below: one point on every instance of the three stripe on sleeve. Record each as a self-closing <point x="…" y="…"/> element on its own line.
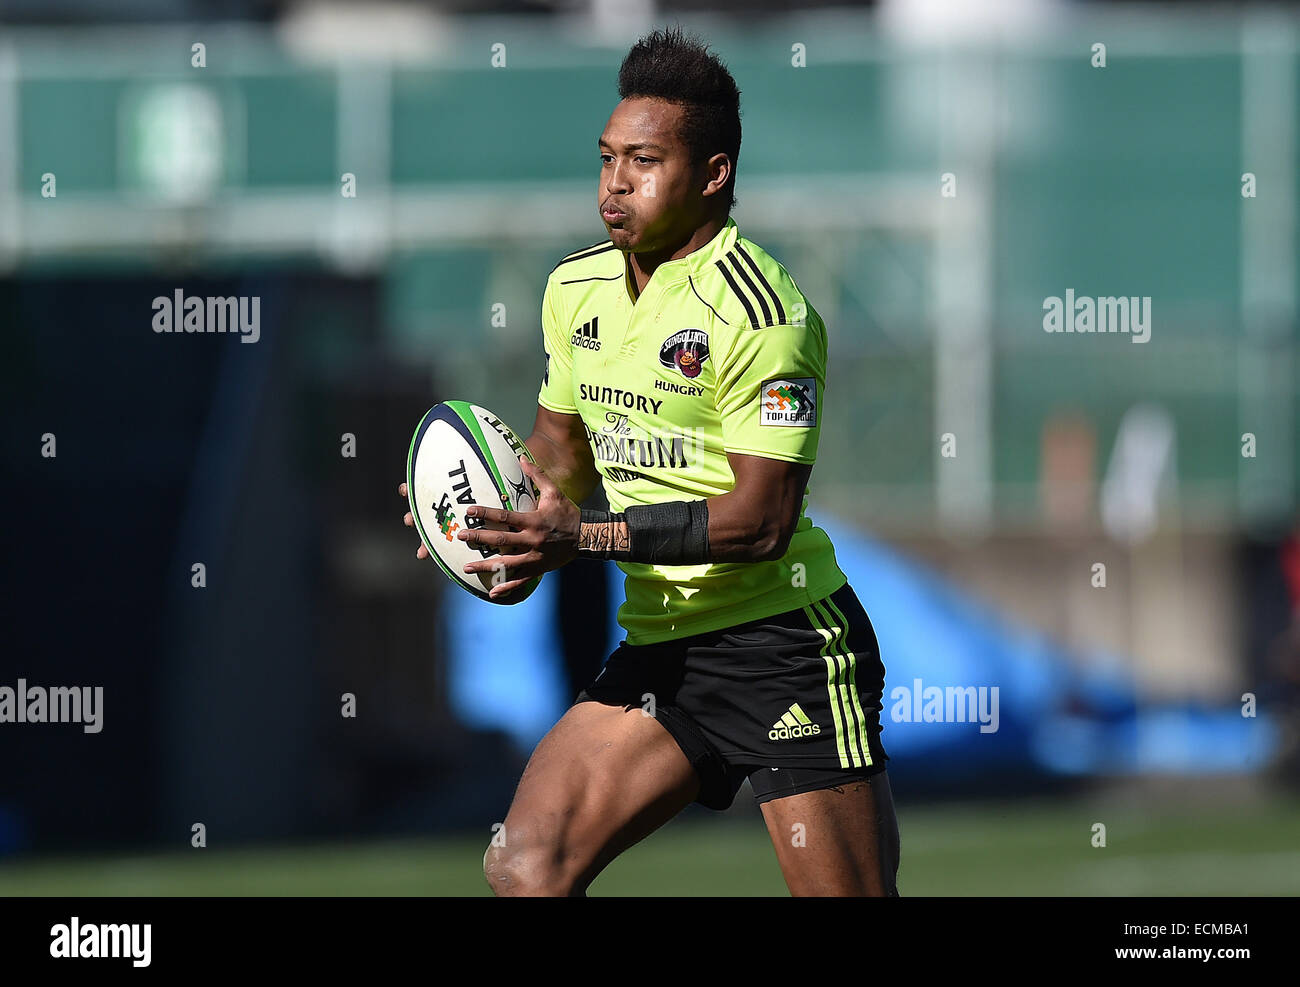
<point x="738" y="268"/>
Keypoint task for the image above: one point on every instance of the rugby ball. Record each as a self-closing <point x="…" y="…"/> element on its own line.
<point x="462" y="454"/>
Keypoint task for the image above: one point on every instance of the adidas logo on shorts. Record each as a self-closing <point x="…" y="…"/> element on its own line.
<point x="792" y="725"/>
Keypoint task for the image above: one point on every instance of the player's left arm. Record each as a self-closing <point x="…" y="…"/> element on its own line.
<point x="770" y="384"/>
<point x="754" y="521"/>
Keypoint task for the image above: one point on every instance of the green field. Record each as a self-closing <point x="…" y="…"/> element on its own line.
<point x="1224" y="846"/>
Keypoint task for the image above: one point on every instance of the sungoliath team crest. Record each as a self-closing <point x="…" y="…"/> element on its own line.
<point x="686" y="350"/>
<point x="789" y="401"/>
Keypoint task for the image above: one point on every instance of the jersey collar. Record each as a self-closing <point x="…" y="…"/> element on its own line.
<point x="694" y="262"/>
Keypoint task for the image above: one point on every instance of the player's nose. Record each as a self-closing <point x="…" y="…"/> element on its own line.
<point x="617" y="185"/>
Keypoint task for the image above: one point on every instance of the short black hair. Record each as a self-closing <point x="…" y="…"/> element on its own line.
<point x="671" y="65"/>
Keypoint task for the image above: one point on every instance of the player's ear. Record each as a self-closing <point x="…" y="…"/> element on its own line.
<point x="717" y="170"/>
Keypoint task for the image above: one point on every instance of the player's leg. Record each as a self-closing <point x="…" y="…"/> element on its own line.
<point x="795" y="700"/>
<point x="833" y="826"/>
<point x="601" y="780"/>
<point x="840" y="840"/>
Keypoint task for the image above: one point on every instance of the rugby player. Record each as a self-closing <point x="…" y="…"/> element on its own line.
<point x="686" y="372"/>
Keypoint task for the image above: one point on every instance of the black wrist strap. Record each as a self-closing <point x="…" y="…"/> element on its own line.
<point x="675" y="533"/>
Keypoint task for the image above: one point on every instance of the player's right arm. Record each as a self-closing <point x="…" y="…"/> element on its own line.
<point x="566" y="473"/>
<point x="559" y="440"/>
<point x="559" y="444"/>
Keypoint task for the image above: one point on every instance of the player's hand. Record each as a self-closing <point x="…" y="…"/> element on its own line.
<point x="409" y="521"/>
<point x="544" y="539"/>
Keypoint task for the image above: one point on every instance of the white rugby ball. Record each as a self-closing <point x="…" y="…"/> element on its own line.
<point x="462" y="454"/>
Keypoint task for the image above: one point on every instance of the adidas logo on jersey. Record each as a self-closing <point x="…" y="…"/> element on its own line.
<point x="792" y="725"/>
<point x="586" y="336"/>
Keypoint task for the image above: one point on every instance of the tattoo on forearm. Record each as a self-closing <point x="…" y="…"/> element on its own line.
<point x="603" y="538"/>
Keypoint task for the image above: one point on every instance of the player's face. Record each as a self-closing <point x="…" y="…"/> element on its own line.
<point x="651" y="194"/>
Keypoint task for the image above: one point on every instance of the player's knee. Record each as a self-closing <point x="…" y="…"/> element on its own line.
<point x="524" y="871"/>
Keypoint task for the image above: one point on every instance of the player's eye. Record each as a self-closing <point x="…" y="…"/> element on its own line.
<point x="642" y="159"/>
<point x="606" y="158"/>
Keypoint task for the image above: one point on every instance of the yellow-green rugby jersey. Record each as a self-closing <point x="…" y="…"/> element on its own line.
<point x="721" y="352"/>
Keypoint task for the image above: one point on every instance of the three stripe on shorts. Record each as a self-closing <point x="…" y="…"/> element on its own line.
<point x="841" y="669"/>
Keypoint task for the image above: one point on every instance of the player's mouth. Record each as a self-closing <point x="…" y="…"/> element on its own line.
<point x="612" y="216"/>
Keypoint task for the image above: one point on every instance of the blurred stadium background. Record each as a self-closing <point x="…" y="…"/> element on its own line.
<point x="1162" y="704"/>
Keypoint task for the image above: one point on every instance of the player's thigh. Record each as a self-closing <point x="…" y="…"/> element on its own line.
<point x="602" y="779"/>
<point x="841" y="840"/>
